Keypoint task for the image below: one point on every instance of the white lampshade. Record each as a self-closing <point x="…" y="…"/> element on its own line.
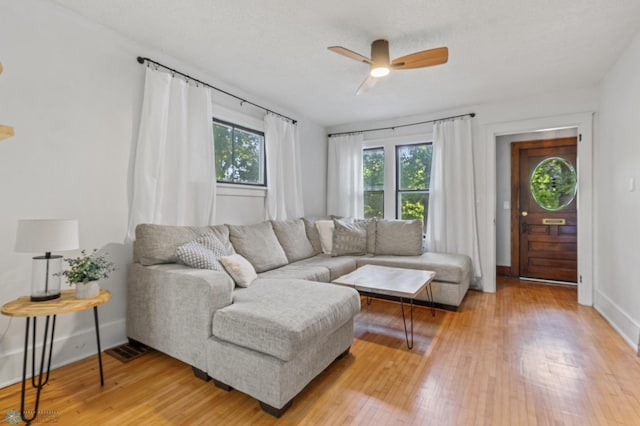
<point x="48" y="235"/>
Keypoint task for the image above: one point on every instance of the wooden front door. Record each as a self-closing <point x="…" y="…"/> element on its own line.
<point x="546" y="209"/>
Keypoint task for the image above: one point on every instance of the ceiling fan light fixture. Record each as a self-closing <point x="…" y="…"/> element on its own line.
<point x="379" y="71"/>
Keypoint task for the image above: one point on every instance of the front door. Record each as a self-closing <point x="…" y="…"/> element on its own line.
<point x="546" y="209"/>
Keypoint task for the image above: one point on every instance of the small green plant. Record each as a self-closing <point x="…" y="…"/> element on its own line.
<point x="88" y="267"/>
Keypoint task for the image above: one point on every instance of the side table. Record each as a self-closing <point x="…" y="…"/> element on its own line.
<point x="67" y="302"/>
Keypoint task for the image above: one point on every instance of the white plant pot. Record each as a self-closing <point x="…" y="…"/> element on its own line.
<point x="88" y="290"/>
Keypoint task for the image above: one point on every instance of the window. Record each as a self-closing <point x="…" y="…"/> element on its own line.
<point x="240" y="154"/>
<point x="373" y="179"/>
<point x="413" y="169"/>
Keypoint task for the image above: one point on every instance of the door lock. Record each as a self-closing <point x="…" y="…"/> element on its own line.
<point x="524" y="213"/>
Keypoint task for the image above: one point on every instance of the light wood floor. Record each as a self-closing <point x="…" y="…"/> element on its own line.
<point x="527" y="355"/>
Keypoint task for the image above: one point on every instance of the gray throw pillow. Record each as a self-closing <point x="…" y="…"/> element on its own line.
<point x="202" y="253"/>
<point x="293" y="239"/>
<point x="312" y="232"/>
<point x="349" y="238"/>
<point x="399" y="237"/>
<point x="259" y="245"/>
<point x="371" y="234"/>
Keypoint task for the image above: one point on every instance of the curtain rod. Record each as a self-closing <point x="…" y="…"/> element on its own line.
<point x="470" y="114"/>
<point x="142" y="60"/>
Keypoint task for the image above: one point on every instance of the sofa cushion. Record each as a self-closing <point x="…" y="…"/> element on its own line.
<point x="312" y="232"/>
<point x="349" y="238"/>
<point x="157" y="244"/>
<point x="337" y="266"/>
<point x="301" y="272"/>
<point x="370" y="225"/>
<point x="202" y="253"/>
<point x="239" y="269"/>
<point x="452" y="268"/>
<point x="293" y="239"/>
<point x="399" y="237"/>
<point x="282" y="317"/>
<point x="259" y="245"/>
<point x="325" y="230"/>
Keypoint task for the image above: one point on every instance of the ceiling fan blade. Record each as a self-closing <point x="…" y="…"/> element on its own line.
<point x="367" y="84"/>
<point x="425" y="58"/>
<point x="349" y="54"/>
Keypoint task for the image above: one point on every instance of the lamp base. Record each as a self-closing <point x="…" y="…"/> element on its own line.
<point x="45" y="277"/>
<point x="45" y="297"/>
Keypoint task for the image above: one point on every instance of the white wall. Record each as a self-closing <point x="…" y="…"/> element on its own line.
<point x="544" y="105"/>
<point x="503" y="186"/>
<point x="617" y="204"/>
<point x="72" y="90"/>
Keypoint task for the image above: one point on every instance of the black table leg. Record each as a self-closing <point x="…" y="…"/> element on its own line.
<point x="41" y="383"/>
<point x="404" y="321"/>
<point x="95" y="318"/>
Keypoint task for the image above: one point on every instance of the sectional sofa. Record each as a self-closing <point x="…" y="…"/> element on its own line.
<point x="270" y="339"/>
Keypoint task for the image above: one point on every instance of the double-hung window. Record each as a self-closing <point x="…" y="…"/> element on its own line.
<point x="373" y="179"/>
<point x="240" y="154"/>
<point x="413" y="169"/>
<point x="396" y="180"/>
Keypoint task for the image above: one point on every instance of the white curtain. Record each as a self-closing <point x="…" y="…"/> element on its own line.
<point x="284" y="185"/>
<point x="451" y="222"/>
<point x="344" y="181"/>
<point x="174" y="178"/>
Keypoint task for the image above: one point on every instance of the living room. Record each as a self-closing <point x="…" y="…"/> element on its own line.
<point x="72" y="90"/>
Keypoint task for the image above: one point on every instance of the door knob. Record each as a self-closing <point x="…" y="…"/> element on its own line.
<point x="524" y="213"/>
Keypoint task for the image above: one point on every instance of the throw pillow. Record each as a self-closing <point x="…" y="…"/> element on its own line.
<point x="293" y="239"/>
<point x="371" y="234"/>
<point x="349" y="238"/>
<point x="202" y="253"/>
<point x="312" y="233"/>
<point x="259" y="245"/>
<point x="325" y="230"/>
<point x="399" y="237"/>
<point x="240" y="269"/>
<point x="156" y="244"/>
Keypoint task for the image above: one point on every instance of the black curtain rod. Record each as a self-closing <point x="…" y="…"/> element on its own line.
<point x="471" y="114"/>
<point x="142" y="60"/>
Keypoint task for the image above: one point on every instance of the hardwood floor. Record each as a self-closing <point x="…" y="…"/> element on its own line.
<point x="526" y="355"/>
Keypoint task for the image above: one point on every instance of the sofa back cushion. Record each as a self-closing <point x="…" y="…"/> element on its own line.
<point x="156" y="244"/>
<point x="293" y="238"/>
<point x="259" y="245"/>
<point x="399" y="237"/>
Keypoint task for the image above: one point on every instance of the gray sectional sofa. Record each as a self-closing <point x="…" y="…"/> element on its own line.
<point x="271" y="339"/>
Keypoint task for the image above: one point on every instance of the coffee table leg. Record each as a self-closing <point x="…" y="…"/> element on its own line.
<point x="430" y="292"/>
<point x="404" y="321"/>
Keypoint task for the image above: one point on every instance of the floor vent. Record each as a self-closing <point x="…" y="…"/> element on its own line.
<point x="126" y="352"/>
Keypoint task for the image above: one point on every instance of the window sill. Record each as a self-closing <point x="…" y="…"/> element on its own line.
<point x="239" y="190"/>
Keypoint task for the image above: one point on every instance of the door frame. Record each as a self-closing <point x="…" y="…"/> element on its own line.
<point x="515" y="191"/>
<point x="584" y="124"/>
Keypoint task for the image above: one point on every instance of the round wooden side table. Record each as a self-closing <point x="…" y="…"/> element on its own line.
<point x="67" y="302"/>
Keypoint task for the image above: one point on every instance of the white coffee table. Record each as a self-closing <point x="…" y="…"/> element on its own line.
<point x="373" y="280"/>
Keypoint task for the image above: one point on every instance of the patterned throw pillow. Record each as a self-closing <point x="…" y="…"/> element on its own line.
<point x="349" y="238"/>
<point x="240" y="269"/>
<point x="203" y="253"/>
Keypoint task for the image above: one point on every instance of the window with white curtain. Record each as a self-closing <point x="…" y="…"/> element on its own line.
<point x="396" y="177"/>
<point x="240" y="154"/>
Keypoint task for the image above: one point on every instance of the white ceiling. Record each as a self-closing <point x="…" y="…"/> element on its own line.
<point x="277" y="49"/>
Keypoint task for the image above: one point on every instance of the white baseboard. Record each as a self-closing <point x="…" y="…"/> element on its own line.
<point x="619" y="320"/>
<point x="66" y="349"/>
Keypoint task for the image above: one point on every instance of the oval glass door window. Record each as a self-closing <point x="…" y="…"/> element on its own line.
<point x="554" y="183"/>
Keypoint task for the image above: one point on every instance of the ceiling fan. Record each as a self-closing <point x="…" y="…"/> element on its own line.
<point x="380" y="65"/>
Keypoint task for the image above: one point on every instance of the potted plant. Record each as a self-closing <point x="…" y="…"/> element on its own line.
<point x="86" y="270"/>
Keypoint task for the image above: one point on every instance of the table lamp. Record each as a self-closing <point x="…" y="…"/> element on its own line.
<point x="46" y="236"/>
